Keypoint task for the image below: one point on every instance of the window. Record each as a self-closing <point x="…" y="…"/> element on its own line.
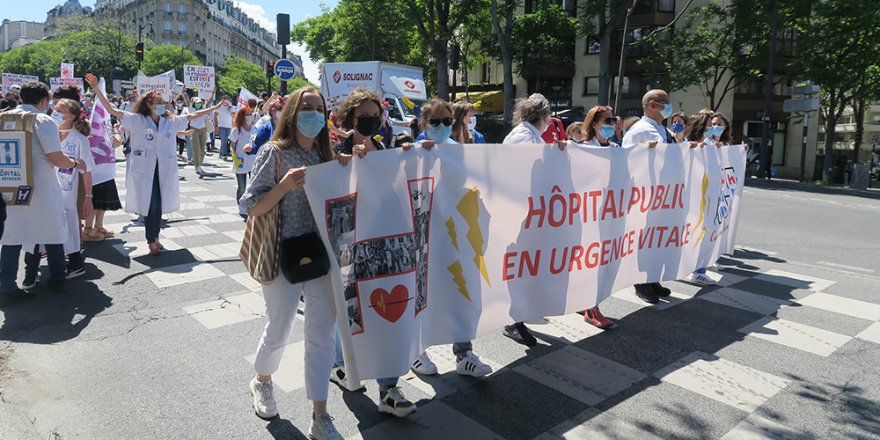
<point x="632" y="36"/>
<point x="181" y="9"/>
<point x="168" y="8"/>
<point x="625" y="89"/>
<point x="591" y="85"/>
<point x="486" y="74"/>
<point x="168" y="28"/>
<point x="666" y="6"/>
<point x="643" y="7"/>
<point x="181" y="28"/>
<point x="593" y="45"/>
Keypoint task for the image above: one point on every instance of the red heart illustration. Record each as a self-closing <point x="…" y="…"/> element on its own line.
<point x="390" y="306"/>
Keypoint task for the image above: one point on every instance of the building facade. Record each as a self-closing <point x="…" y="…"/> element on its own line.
<point x="579" y="89"/>
<point x="19" y="33"/>
<point x="57" y="16"/>
<point x="212" y="29"/>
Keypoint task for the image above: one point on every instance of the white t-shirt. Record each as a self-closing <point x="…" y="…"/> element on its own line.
<point x="74" y="146"/>
<point x="198" y="122"/>
<point x="183" y="112"/>
<point x="224" y="117"/>
<point x="524" y="133"/>
<point x="241" y="162"/>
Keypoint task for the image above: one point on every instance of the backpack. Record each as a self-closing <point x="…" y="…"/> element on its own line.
<point x="16" y="169"/>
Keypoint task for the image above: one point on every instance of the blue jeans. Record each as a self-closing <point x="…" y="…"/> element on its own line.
<point x="384" y="384"/>
<point x="189" y="149"/>
<point x="241" y="179"/>
<point x="9" y="260"/>
<point x="224" y="141"/>
<point x="153" y="220"/>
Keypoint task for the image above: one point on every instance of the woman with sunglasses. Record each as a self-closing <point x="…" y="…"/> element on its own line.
<point x="436" y="123"/>
<point x="600" y="125"/>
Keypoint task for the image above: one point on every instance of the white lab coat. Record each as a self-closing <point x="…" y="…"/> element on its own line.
<point x="152" y="145"/>
<point x="43" y="221"/>
<point x="74" y="146"/>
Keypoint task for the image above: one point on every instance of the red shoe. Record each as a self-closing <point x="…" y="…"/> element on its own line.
<point x="594" y="317"/>
<point x="155" y="249"/>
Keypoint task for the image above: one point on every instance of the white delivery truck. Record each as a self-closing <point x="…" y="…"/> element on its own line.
<point x="402" y="86"/>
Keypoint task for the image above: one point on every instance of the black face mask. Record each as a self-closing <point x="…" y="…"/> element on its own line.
<point x="368" y="125"/>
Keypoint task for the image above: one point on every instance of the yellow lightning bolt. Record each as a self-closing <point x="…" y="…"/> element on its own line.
<point x="704" y="201"/>
<point x="455" y="270"/>
<point x="450" y="229"/>
<point x="469" y="207"/>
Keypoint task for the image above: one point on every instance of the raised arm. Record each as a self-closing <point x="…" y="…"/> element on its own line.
<point x="93" y="83"/>
<point x="205" y="111"/>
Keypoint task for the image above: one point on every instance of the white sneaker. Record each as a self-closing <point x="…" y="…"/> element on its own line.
<point x="264" y="399"/>
<point x="702" y="279"/>
<point x="424" y="365"/>
<point x="337" y="376"/>
<point x="470" y="365"/>
<point x="322" y="428"/>
<point x="392" y="401"/>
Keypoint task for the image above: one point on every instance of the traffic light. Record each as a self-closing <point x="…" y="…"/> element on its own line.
<point x="270" y="69"/>
<point x="139" y="51"/>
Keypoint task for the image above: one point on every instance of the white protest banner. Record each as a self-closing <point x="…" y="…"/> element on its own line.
<point x="200" y="78"/>
<point x="100" y="143"/>
<point x="244" y="95"/>
<point x="160" y="84"/>
<point x="66" y="70"/>
<point x="442" y="246"/>
<point x="56" y="83"/>
<point x="14" y="79"/>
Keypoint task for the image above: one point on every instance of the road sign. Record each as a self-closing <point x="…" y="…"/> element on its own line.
<point x="809" y="89"/>
<point x="800" y="105"/>
<point x="285" y="69"/>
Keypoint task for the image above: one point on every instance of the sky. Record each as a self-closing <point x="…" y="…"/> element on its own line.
<point x="262" y="11"/>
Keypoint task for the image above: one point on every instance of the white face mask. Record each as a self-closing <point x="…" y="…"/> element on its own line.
<point x="58" y="117"/>
<point x="473" y="124"/>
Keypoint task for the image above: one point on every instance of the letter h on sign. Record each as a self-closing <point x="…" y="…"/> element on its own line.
<point x="382" y="257"/>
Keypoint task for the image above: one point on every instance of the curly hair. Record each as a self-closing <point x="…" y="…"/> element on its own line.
<point x="345" y="111"/>
<point x="531" y="110"/>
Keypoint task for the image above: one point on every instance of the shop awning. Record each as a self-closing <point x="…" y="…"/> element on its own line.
<point x="486" y="102"/>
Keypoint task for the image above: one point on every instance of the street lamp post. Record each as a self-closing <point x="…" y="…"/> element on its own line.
<point x="141" y="28"/>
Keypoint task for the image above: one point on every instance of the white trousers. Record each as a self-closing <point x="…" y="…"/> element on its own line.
<point x="282" y="300"/>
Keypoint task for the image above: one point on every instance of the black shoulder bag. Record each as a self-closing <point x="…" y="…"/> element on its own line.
<point x="304" y="257"/>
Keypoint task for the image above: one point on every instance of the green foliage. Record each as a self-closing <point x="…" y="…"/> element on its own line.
<point x="543" y="42"/>
<point x="164" y="57"/>
<point x="238" y="72"/>
<point x="359" y="30"/>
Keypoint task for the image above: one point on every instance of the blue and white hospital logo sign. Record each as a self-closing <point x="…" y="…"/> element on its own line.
<point x="15" y="167"/>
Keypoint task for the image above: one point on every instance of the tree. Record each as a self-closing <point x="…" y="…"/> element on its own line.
<point x="837" y="43"/>
<point x="436" y="21"/>
<point x="164" y="57"/>
<point x="238" y="72"/>
<point x="502" y="22"/>
<point x="543" y="42"/>
<point x="600" y="19"/>
<point x="359" y="30"/>
<point x="92" y="51"/>
<point x="715" y="49"/>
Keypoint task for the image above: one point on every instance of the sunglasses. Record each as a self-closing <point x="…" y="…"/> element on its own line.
<point x="435" y="122"/>
<point x="609" y="121"/>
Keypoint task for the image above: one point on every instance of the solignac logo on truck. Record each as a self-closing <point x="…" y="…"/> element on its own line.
<point x="337" y="76"/>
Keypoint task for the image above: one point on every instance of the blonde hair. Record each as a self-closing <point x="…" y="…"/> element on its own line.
<point x="285" y="133"/>
<point x="80" y="123"/>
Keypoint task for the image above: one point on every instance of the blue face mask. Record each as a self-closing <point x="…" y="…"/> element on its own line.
<point x="310" y="123"/>
<point x="160" y="109"/>
<point x="715" y="130"/>
<point x="606" y="131"/>
<point x="677" y="127"/>
<point x="439" y="134"/>
<point x="667" y="110"/>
